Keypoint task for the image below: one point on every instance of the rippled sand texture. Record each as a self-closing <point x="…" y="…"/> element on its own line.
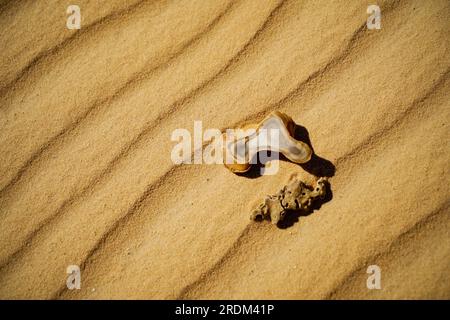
<point x="86" y="177"/>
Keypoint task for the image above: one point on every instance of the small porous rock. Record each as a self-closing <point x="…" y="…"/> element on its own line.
<point x="296" y="195"/>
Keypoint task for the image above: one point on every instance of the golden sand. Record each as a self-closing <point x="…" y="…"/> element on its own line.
<point x="86" y="176"/>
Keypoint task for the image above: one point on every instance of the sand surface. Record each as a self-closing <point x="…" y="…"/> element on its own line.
<point x="86" y="177"/>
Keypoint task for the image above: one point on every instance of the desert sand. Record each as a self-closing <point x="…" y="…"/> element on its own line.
<point x="86" y="179"/>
